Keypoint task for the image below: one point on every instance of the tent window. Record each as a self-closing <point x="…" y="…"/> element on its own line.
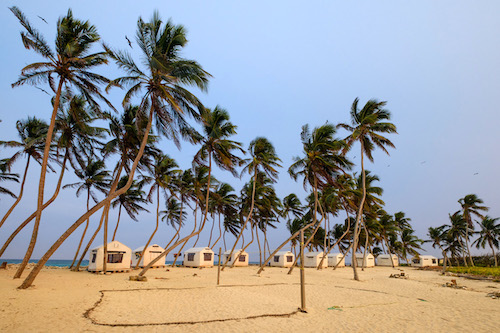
<point x="416" y="261"/>
<point x="276" y="258"/>
<point x="289" y="258"/>
<point x="94" y="255"/>
<point x="242" y="258"/>
<point x="434" y="261"/>
<point x="207" y="256"/>
<point x="190" y="256"/>
<point x="115" y="258"/>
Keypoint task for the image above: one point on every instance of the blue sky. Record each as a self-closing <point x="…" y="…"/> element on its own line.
<point x="279" y="65"/>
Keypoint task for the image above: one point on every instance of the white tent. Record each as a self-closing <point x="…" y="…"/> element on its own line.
<point x="118" y="258"/>
<point x="199" y="257"/>
<point x="368" y="261"/>
<point x="283" y="259"/>
<point x="385" y="260"/>
<point x="423" y="261"/>
<point x="312" y="259"/>
<point x="242" y="259"/>
<point x="150" y="254"/>
<point x="334" y="258"/>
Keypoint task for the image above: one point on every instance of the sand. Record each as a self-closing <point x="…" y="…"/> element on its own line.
<point x="188" y="300"/>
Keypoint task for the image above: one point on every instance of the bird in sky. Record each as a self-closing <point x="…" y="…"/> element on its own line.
<point x="41" y="18"/>
<point x="477" y="173"/>
<point x="129" y="42"/>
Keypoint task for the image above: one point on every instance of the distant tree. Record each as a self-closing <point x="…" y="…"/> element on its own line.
<point x="489" y="233"/>
<point x="471" y="205"/>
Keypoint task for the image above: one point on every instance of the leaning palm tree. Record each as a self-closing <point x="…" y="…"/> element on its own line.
<point x="367" y="126"/>
<point x="70" y="62"/>
<point x="471" y="205"/>
<point x="32" y="133"/>
<point x="489" y="233"/>
<point x="437" y="237"/>
<point x="166" y="98"/>
<point x="410" y="243"/>
<point x="93" y="176"/>
<point x="263" y="159"/>
<point x="320" y="165"/>
<point x="458" y="232"/>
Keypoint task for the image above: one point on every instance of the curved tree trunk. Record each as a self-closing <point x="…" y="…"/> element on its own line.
<point x="32" y="216"/>
<point x="494" y="255"/>
<point x="20" y="193"/>
<point x="244" y="224"/>
<point x="194" y="229"/>
<point x="358" y="217"/>
<point x="202" y="225"/>
<point x="325" y="255"/>
<point x="245" y="247"/>
<point x="467" y="243"/>
<point x="211" y="231"/>
<point x="84" y="232"/>
<point x="41" y="185"/>
<point x="156" y="228"/>
<point x="220" y="234"/>
<point x="113" y="194"/>
<point x="105" y="212"/>
<point x="260" y="250"/>
<point x="117" y="222"/>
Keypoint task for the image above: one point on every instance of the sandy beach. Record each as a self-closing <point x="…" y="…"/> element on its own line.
<point x="188" y="300"/>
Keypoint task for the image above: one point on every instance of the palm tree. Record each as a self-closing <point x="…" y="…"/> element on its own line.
<point x="32" y="133"/>
<point x="409" y="243"/>
<point x="93" y="176"/>
<point x="263" y="159"/>
<point x="367" y="124"/>
<point x="489" y="233"/>
<point x="166" y="97"/>
<point x="471" y="205"/>
<point x="71" y="63"/>
<point x="223" y="197"/>
<point x="5" y="174"/>
<point x="164" y="171"/>
<point x="437" y="237"/>
<point x="320" y="165"/>
<point x="458" y="231"/>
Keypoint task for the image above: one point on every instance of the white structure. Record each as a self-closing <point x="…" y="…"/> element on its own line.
<point x="242" y="259"/>
<point x="336" y="258"/>
<point x="368" y="261"/>
<point x="119" y="257"/>
<point x="283" y="259"/>
<point x="385" y="260"/>
<point x="423" y="261"/>
<point x="199" y="257"/>
<point x="312" y="259"/>
<point x="150" y="254"/>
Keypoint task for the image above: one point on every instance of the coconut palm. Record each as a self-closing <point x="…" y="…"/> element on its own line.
<point x="458" y="232"/>
<point x="70" y="62"/>
<point x="471" y="205"/>
<point x="367" y="126"/>
<point x="321" y="163"/>
<point x="489" y="233"/>
<point x="166" y="98"/>
<point x="93" y="176"/>
<point x="6" y="175"/>
<point x="32" y="133"/>
<point x="164" y="171"/>
<point x="410" y="243"/>
<point x="263" y="159"/>
<point x="292" y="205"/>
<point x="222" y="198"/>
<point x="437" y="237"/>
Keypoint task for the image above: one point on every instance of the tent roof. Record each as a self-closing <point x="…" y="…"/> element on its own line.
<point x="109" y="244"/>
<point x="198" y="249"/>
<point x="150" y="246"/>
<point x="314" y="253"/>
<point x="425" y="257"/>
<point x="334" y="254"/>
<point x="360" y="255"/>
<point x="282" y="253"/>
<point x="235" y="251"/>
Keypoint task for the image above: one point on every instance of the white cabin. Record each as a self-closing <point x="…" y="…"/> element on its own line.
<point x="283" y="259"/>
<point x="119" y="257"/>
<point x="423" y="261"/>
<point x="385" y="260"/>
<point x="242" y="259"/>
<point x="336" y="258"/>
<point x="367" y="261"/>
<point x="150" y="254"/>
<point x="312" y="259"/>
<point x="199" y="257"/>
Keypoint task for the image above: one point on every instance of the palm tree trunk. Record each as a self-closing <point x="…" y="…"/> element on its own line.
<point x="358" y="217"/>
<point x="260" y="250"/>
<point x="211" y="230"/>
<point x="337" y="242"/>
<point x="20" y="193"/>
<point x="244" y="224"/>
<point x="220" y="234"/>
<point x="117" y="222"/>
<point x="194" y="229"/>
<point x="84" y="231"/>
<point x="156" y="228"/>
<point x="113" y="194"/>
<point x="32" y="216"/>
<point x="41" y="185"/>
<point x="185" y="239"/>
<point x="467" y="242"/>
<point x="105" y="212"/>
<point x="245" y="247"/>
<point x="494" y="255"/>
<point x="180" y="224"/>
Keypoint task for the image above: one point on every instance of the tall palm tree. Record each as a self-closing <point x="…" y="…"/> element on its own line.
<point x="489" y="233"/>
<point x="458" y="232"/>
<point x="320" y="165"/>
<point x="471" y="205"/>
<point x="410" y="243"/>
<point x="70" y="62"/>
<point x="32" y="133"/>
<point x="93" y="176"/>
<point x="164" y="172"/>
<point x="367" y="126"/>
<point x="166" y="97"/>
<point x="437" y="237"/>
<point x="263" y="159"/>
